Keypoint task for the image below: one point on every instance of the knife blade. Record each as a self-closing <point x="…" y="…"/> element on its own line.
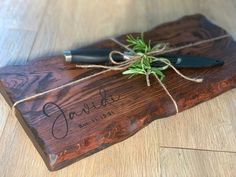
<point x="101" y="56"/>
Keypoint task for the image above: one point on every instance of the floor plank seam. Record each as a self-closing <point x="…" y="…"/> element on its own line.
<point x="195" y="149"/>
<point x="160" y="162"/>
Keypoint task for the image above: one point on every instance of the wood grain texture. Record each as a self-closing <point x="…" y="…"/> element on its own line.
<point x="14" y="14"/>
<point x="77" y="121"/>
<point x="87" y="22"/>
<point x="17" y="35"/>
<point x="211" y="9"/>
<point x="14" y="140"/>
<point x="195" y="163"/>
<point x="113" y="161"/>
<point x="4" y="112"/>
<point x="16" y="45"/>
<point x="201" y="128"/>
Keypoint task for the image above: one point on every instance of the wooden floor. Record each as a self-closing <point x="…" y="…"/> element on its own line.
<point x="200" y="142"/>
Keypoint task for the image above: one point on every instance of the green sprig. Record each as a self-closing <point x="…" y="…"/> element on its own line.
<point x="144" y="65"/>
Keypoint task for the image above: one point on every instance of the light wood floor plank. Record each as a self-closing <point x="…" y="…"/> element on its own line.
<point x="81" y="22"/>
<point x="158" y="11"/>
<point x="5" y="111"/>
<point x="222" y="14"/>
<point x="21" y="14"/>
<point x="210" y="125"/>
<point x="15" y="45"/>
<point x="19" y="21"/>
<point x="49" y="27"/>
<point x="136" y="157"/>
<point x="89" y="21"/>
<point x="194" y="163"/>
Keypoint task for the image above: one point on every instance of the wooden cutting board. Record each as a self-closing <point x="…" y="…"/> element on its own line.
<point x="74" y="122"/>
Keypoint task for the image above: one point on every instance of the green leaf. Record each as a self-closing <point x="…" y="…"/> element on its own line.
<point x="143" y="66"/>
<point x="134" y="71"/>
<point x="158" y="72"/>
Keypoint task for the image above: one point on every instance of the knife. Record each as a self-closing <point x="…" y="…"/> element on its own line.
<point x="101" y="56"/>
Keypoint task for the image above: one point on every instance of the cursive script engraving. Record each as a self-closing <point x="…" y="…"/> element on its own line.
<point x="105" y="100"/>
<point x="60" y="126"/>
<point x="61" y="116"/>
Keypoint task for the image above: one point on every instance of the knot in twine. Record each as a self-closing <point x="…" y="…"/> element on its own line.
<point x="127" y="62"/>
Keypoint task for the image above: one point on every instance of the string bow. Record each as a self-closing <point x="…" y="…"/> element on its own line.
<point x="130" y="60"/>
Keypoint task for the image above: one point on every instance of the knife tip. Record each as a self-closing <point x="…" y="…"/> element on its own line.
<point x="220" y="62"/>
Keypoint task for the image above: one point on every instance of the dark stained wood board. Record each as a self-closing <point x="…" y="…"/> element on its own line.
<point x="77" y="121"/>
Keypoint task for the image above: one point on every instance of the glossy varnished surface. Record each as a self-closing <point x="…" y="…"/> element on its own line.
<point x="77" y="121"/>
<point x="197" y="142"/>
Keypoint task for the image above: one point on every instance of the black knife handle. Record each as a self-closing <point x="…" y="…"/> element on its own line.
<point x="101" y="56"/>
<point x="90" y="56"/>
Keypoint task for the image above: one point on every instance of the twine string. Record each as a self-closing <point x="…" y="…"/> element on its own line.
<point x="161" y="49"/>
<point x="129" y="60"/>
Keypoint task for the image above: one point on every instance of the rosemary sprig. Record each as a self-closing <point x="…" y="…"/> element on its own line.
<point x="144" y="65"/>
